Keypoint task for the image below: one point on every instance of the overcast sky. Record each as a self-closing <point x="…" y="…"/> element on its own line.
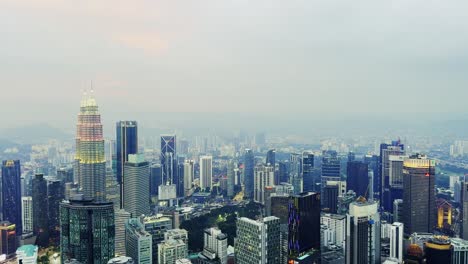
<point x="264" y="56"/>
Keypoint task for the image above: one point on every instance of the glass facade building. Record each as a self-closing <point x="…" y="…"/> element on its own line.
<point x="126" y="143"/>
<point x="11" y="193"/>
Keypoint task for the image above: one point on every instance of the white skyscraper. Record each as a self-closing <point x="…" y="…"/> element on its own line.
<point x="27" y="214"/>
<point x="206" y="172"/>
<point x="215" y="245"/>
<point x="337" y="224"/>
<point x="263" y="176"/>
<point x="396" y="241"/>
<point x="136" y="191"/>
<point x="121" y="218"/>
<point x="188" y="176"/>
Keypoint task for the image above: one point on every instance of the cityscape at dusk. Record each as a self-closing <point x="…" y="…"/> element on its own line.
<point x="233" y="132"/>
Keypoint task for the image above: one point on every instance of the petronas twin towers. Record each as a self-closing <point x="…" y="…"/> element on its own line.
<point x="90" y="162"/>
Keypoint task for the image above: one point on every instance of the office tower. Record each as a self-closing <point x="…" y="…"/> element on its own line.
<point x="278" y="205"/>
<point x="363" y="233"/>
<point x="215" y="246"/>
<point x="271" y="157"/>
<point x="155" y="178"/>
<point x="27" y="254"/>
<point x="126" y="143"/>
<point x="40" y="210"/>
<point x="7" y="238"/>
<point x="168" y="159"/>
<point x="179" y="179"/>
<point x="138" y="242"/>
<point x="55" y="195"/>
<point x="357" y="178"/>
<point x="136" y="199"/>
<point x="438" y="250"/>
<point x="336" y="224"/>
<point x="295" y="172"/>
<point x="373" y="164"/>
<point x="121" y="218"/>
<point x="258" y="241"/>
<point x="170" y="250"/>
<point x="386" y="150"/>
<point x="331" y="167"/>
<point x="90" y="162"/>
<point x="11" y="193"/>
<point x="231" y="178"/>
<point x="460" y="250"/>
<point x="157" y="226"/>
<point x="396" y="241"/>
<point x="419" y="209"/>
<point x="249" y="164"/>
<point x="206" y="172"/>
<point x="464" y="208"/>
<point x="457" y="192"/>
<point x="396" y="176"/>
<point x="27" y="214"/>
<point x="304" y="224"/>
<point x="264" y="176"/>
<point x="189" y="174"/>
<point x="330" y="196"/>
<point x="309" y="181"/>
<point x="444" y="214"/>
<point x="87" y="231"/>
<point x="283" y="174"/>
<point x="398" y="210"/>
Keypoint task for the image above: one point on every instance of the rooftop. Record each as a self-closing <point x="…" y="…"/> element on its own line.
<point x="28" y="250"/>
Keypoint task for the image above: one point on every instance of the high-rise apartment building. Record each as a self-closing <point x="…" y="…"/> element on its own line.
<point x="87" y="231"/>
<point x="258" y="241"/>
<point x="396" y="241"/>
<point x="189" y="175"/>
<point x="363" y="233"/>
<point x="215" y="245"/>
<point x="169" y="251"/>
<point x="136" y="199"/>
<point x="157" y="226"/>
<point x="419" y="208"/>
<point x="11" y="193"/>
<point x="90" y="161"/>
<point x="337" y="225"/>
<point x="264" y="176"/>
<point x="206" y="172"/>
<point x="126" y="144"/>
<point x="295" y="172"/>
<point x="138" y="242"/>
<point x="27" y="214"/>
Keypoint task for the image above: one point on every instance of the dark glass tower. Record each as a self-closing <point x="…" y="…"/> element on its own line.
<point x="249" y="162"/>
<point x="11" y="193"/>
<point x="87" y="231"/>
<point x="40" y="210"/>
<point x="155" y="178"/>
<point x="373" y="164"/>
<point x="330" y="167"/>
<point x="386" y="150"/>
<point x="304" y="224"/>
<point x="330" y="197"/>
<point x="308" y="172"/>
<point x="271" y="157"/>
<point x="127" y="143"/>
<point x="419" y="208"/>
<point x="168" y="159"/>
<point x="357" y="178"/>
<point x="55" y="194"/>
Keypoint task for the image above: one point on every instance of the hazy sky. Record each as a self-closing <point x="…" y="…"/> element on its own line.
<point x="261" y="56"/>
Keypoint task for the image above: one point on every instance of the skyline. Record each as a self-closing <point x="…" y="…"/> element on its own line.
<point x="324" y="57"/>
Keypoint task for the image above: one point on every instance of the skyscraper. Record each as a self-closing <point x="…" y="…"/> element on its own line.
<point x="155" y="178"/>
<point x="188" y="176"/>
<point x="11" y="193"/>
<point x="304" y="224"/>
<point x="138" y="242"/>
<point x="90" y="162"/>
<point x="363" y="233"/>
<point x="55" y="194"/>
<point x="264" y="176"/>
<point x="249" y="164"/>
<point x="271" y="157"/>
<point x="295" y="172"/>
<point x="40" y="210"/>
<point x="308" y="178"/>
<point x="419" y="208"/>
<point x="136" y="198"/>
<point x="330" y="167"/>
<point x="157" y="226"/>
<point x="396" y="148"/>
<point x="258" y="241"/>
<point x="396" y="176"/>
<point x="127" y="143"/>
<point x="231" y="178"/>
<point x="358" y="178"/>
<point x="206" y="172"/>
<point x="87" y="231"/>
<point x="215" y="245"/>
<point x="396" y="241"/>
<point x="464" y="208"/>
<point x="121" y="218"/>
<point x="27" y="214"/>
<point x="8" y="241"/>
<point x="168" y="159"/>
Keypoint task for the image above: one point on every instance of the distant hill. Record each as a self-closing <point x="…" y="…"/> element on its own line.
<point x="33" y="134"/>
